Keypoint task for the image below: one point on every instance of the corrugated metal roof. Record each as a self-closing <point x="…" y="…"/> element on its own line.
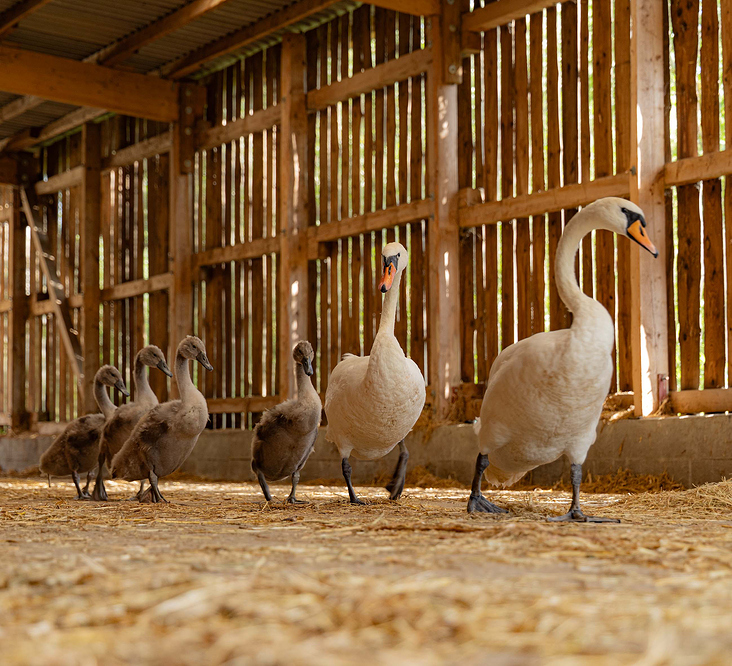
<point x="77" y="29"/>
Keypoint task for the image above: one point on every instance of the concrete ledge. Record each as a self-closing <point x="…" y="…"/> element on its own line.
<point x="692" y="449"/>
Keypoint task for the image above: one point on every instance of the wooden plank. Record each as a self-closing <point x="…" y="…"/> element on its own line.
<point x="238" y="39"/>
<point x="252" y="123"/>
<point x="139" y="287"/>
<point x="684" y="16"/>
<point x="137" y="152"/>
<point x="121" y="50"/>
<point x="690" y="170"/>
<point x="726" y="37"/>
<point x="10" y="18"/>
<point x="507" y="167"/>
<point x="89" y="218"/>
<point x="19" y="106"/>
<point x="548" y="201"/>
<point x="502" y="12"/>
<point x="293" y="313"/>
<point x="250" y="404"/>
<point x="18" y="316"/>
<point x="414" y="7"/>
<point x="72" y="82"/>
<point x="708" y="401"/>
<point x="391" y="129"/>
<point x="714" y="321"/>
<point x="62" y="181"/>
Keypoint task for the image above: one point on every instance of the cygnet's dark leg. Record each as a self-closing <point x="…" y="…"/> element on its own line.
<point x="477" y="502"/>
<point x="89" y="476"/>
<point x="100" y="492"/>
<point x="575" y="515"/>
<point x="291" y="499"/>
<point x="346" y="467"/>
<point x="140" y="493"/>
<point x="80" y="494"/>
<point x="263" y="485"/>
<point x="396" y="485"/>
<point x="155" y="493"/>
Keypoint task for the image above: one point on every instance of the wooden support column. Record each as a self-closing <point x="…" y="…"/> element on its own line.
<point x="293" y="173"/>
<point x="649" y="342"/>
<point x="91" y="188"/>
<point x="20" y="419"/>
<point x="443" y="231"/>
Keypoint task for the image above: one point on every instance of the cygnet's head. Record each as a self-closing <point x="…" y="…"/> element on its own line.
<point x="624" y="218"/>
<point x="395" y="258"/>
<point x="110" y="376"/>
<point x="193" y="349"/>
<point x="304" y="355"/>
<point x="153" y="357"/>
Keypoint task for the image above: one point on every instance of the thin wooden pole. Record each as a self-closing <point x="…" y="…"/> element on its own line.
<point x="19" y="415"/>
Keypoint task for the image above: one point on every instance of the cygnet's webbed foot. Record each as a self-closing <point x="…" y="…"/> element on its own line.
<point x="396" y="485"/>
<point x="83" y="496"/>
<point x="478" y="503"/>
<point x="100" y="494"/>
<point x="294" y="500"/>
<point x="576" y="515"/>
<point x="80" y="494"/>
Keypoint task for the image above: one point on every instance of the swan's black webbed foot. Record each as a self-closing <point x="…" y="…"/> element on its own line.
<point x="478" y="503"/>
<point x="396" y="485"/>
<point x="575" y="514"/>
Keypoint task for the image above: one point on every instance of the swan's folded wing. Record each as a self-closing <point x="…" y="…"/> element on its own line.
<point x="350" y="370"/>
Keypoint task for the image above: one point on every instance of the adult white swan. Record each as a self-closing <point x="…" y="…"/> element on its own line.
<point x="545" y="393"/>
<point x="372" y="402"/>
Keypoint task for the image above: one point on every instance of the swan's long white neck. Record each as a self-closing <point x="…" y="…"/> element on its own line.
<point x="143" y="392"/>
<point x="388" y="312"/>
<point x="186" y="389"/>
<point x="569" y="291"/>
<point x="102" y="398"/>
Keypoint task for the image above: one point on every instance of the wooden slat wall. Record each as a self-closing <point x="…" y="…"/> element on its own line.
<point x="6" y="203"/>
<point x="539" y="131"/>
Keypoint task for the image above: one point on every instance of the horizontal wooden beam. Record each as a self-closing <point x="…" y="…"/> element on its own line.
<point x="547" y="201"/>
<point x="695" y="402"/>
<point x="386" y="74"/>
<point x="137" y="152"/>
<point x="72" y="82"/>
<point x="254" y="403"/>
<point x="414" y="7"/>
<point x="61" y="181"/>
<point x="10" y="18"/>
<point x="695" y="169"/>
<point x="19" y="106"/>
<point x="250" y="250"/>
<point x="128" y="46"/>
<point x="380" y="219"/>
<point x="501" y="12"/>
<point x="249" y="124"/>
<point x="137" y="287"/>
<point x="243" y="37"/>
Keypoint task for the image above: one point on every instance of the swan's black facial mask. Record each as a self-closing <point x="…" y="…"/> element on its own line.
<point x="636" y="229"/>
<point x="390" y="270"/>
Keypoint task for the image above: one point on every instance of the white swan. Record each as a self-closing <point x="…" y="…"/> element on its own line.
<point x="372" y="402"/>
<point x="545" y="393"/>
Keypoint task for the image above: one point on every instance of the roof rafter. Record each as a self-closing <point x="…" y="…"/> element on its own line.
<point x="10" y="18"/>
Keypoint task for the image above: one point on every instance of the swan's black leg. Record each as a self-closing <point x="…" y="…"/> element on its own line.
<point x="477" y="502"/>
<point x="575" y="514"/>
<point x="346" y="467"/>
<point x="100" y="492"/>
<point x="80" y="494"/>
<point x="396" y="485"/>
<point x="156" y="496"/>
<point x="263" y="485"/>
<point x="291" y="498"/>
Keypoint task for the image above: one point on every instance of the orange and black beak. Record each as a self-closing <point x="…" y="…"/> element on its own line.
<point x="390" y="269"/>
<point x="637" y="231"/>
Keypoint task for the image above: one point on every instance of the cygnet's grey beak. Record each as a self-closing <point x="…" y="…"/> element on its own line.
<point x="164" y="367"/>
<point x="203" y="360"/>
<point x="307" y="365"/>
<point x="120" y="386"/>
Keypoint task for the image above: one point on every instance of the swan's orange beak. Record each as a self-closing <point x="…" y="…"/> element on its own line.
<point x="388" y="278"/>
<point x="637" y="232"/>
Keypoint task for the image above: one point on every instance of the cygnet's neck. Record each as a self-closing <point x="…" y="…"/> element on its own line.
<point x="102" y="398"/>
<point x="143" y="392"/>
<point x="186" y="389"/>
<point x="305" y="388"/>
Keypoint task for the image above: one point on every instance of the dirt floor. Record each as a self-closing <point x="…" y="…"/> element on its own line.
<point x="216" y="576"/>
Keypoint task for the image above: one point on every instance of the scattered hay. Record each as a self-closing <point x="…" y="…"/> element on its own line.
<point x="710" y="499"/>
<point x="621" y="481"/>
<point x="420" y="477"/>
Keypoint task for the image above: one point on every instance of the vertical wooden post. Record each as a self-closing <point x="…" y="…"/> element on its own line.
<point x="443" y="231"/>
<point x="91" y="188"/>
<point x="293" y="174"/>
<point x="20" y="419"/>
<point x="649" y="343"/>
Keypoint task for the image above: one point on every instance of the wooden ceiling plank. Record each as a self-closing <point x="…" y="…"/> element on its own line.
<point x="501" y="12"/>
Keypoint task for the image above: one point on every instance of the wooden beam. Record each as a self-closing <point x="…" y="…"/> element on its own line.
<point x="243" y="37"/>
<point x="695" y="169"/>
<point x="501" y="12"/>
<point x="414" y="7"/>
<point x="137" y="152"/>
<point x="250" y="124"/>
<point x="443" y="245"/>
<point x="62" y="181"/>
<point x="376" y="221"/>
<point x="91" y="206"/>
<point x="293" y="187"/>
<point x="707" y="401"/>
<point x="10" y="18"/>
<point x="8" y="170"/>
<point x="62" y="310"/>
<point x="71" y="82"/>
<point x="452" y="61"/>
<point x="240" y="405"/>
<point x="649" y="323"/>
<point x="547" y="201"/>
<point x="18" y="316"/>
<point x="388" y="73"/>
<point x="140" y="287"/>
<point x="19" y="106"/>
<point x="241" y="251"/>
<point x="128" y="46"/>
